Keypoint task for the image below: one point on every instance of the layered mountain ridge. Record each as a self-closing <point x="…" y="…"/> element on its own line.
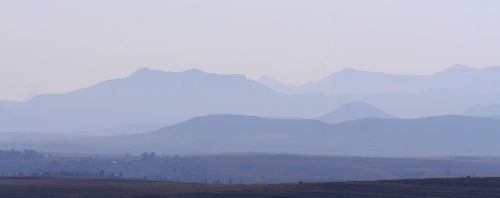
<point x="351" y="81"/>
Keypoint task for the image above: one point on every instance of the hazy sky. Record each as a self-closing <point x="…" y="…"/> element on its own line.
<point x="52" y="46"/>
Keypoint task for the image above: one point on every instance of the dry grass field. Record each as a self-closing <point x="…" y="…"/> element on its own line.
<point x="21" y="187"/>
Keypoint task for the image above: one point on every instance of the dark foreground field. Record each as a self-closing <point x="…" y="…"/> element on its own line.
<point x="82" y="187"/>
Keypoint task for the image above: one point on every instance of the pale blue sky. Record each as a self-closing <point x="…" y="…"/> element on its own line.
<point x="52" y="46"/>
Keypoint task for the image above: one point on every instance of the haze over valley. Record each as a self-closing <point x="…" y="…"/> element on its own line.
<point x="196" y="112"/>
<point x="249" y="98"/>
<point x="152" y="97"/>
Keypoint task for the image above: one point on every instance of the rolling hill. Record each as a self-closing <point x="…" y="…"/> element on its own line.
<point x="151" y="96"/>
<point x="442" y="135"/>
<point x="353" y="111"/>
<point x="431" y="136"/>
<point x="484" y="110"/>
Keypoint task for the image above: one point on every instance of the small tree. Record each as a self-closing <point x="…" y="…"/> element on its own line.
<point x="152" y="155"/>
<point x="101" y="173"/>
<point x="144" y="156"/>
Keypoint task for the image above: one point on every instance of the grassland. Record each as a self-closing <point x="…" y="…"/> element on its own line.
<point x="21" y="187"/>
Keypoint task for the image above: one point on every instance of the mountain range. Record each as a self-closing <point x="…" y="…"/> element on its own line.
<point x="442" y="135"/>
<point x="152" y="96"/>
<point x="492" y="110"/>
<point x="351" y="81"/>
<point x="211" y="134"/>
<point x="354" y="111"/>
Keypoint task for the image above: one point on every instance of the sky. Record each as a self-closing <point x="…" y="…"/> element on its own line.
<point x="54" y="46"/>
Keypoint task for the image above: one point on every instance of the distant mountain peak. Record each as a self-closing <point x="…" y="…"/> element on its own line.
<point x="265" y="77"/>
<point x="142" y="69"/>
<point x="213" y="125"/>
<point x="354" y="111"/>
<point x="145" y="71"/>
<point x="455" y="69"/>
<point x="268" y="80"/>
<point x="349" y="70"/>
<point x="194" y="71"/>
<point x="276" y="84"/>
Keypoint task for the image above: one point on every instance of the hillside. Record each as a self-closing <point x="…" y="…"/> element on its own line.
<point x="353" y="111"/>
<point x="151" y="96"/>
<point x="484" y="110"/>
<point x="430" y="136"/>
<point x="441" y="135"/>
<point x="351" y="81"/>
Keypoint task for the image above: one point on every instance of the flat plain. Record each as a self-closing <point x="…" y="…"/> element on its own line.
<point x="27" y="187"/>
